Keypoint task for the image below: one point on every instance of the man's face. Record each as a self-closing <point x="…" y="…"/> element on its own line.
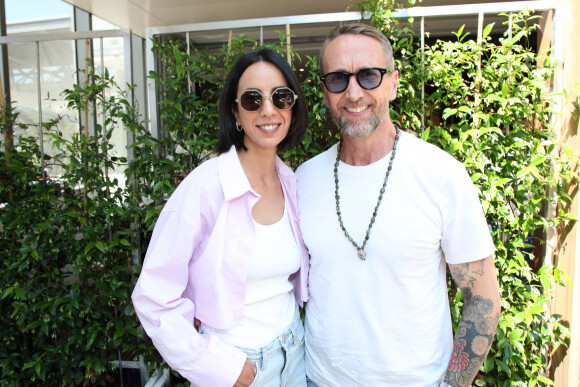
<point x="357" y="111"/>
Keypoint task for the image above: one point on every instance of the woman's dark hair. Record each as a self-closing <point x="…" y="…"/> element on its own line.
<point x="229" y="135"/>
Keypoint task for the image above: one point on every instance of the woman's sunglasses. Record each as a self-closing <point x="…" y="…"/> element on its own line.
<point x="368" y="79"/>
<point x="282" y="98"/>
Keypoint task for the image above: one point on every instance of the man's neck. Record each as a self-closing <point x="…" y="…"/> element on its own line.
<point x="369" y="149"/>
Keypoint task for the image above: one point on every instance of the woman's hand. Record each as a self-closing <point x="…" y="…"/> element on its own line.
<point x="249" y="371"/>
<point x="247" y="375"/>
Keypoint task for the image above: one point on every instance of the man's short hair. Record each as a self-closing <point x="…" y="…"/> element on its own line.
<point x="358" y="29"/>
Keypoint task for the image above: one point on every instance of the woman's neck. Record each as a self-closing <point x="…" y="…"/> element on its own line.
<point x="259" y="166"/>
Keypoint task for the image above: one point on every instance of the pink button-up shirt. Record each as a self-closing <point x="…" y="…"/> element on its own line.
<point x="196" y="266"/>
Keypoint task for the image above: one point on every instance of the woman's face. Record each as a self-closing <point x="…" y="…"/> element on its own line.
<point x="265" y="128"/>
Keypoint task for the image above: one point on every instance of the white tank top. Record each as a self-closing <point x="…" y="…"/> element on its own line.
<point x="270" y="305"/>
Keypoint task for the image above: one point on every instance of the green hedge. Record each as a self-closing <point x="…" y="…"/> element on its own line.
<point x="68" y="246"/>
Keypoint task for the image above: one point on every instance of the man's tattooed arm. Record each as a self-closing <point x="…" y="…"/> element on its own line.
<point x="479" y="319"/>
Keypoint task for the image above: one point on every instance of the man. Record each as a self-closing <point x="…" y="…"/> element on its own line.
<point x="382" y="214"/>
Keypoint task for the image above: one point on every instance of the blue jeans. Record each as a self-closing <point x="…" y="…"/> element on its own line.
<point x="281" y="363"/>
<point x="310" y="383"/>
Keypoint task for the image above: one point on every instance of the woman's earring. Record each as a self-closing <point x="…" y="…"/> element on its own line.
<point x="238" y="127"/>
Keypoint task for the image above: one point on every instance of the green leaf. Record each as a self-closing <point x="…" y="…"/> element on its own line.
<point x="459" y="32"/>
<point x="119" y="333"/>
<point x="488" y="365"/>
<point x="100" y="245"/>
<point x="504" y="90"/>
<point x="487" y="30"/>
<point x="546" y="283"/>
<point x="29" y="364"/>
<point x="501" y="182"/>
<point x="517" y="37"/>
<point x="503" y="366"/>
<point x="519" y="144"/>
<point x="537" y="160"/>
<point x="7" y="291"/>
<point x="516" y="335"/>
<point x="448" y="112"/>
<point x="537" y="309"/>
<point x="544" y="379"/>
<point x="475" y="177"/>
<point x="38" y="370"/>
<point x="91" y="340"/>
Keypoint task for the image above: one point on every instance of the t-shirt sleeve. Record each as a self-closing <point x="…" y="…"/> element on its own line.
<point x="466" y="235"/>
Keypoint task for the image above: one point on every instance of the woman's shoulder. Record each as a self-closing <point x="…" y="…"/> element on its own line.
<point x="201" y="183"/>
<point x="203" y="175"/>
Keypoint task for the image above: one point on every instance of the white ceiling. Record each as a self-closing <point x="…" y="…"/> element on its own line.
<point x="138" y="15"/>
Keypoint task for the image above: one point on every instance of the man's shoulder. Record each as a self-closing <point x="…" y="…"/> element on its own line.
<point x="316" y="164"/>
<point x="428" y="153"/>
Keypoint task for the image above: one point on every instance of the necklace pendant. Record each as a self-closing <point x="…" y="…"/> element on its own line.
<point x="362" y="255"/>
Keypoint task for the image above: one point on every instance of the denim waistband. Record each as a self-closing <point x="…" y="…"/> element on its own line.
<point x="284" y="341"/>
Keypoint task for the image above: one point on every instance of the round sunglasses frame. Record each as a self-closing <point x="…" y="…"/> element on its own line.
<point x="381" y="70"/>
<point x="264" y="97"/>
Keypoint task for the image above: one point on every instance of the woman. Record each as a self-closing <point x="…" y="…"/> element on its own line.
<point x="226" y="251"/>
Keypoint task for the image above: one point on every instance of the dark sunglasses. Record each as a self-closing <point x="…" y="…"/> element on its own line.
<point x="282" y="98"/>
<point x="368" y="79"/>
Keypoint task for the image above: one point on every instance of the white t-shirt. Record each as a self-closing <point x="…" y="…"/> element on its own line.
<point x="386" y="321"/>
<point x="269" y="302"/>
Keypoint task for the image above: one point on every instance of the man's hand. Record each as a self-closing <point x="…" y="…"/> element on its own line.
<point x="476" y="330"/>
<point x="247" y="376"/>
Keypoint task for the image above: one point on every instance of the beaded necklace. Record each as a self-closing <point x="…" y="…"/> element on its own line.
<point x="361" y="249"/>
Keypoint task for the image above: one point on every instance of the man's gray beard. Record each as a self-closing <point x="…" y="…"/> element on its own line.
<point x="358" y="129"/>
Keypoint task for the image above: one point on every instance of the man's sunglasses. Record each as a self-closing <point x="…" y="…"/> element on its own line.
<point x="368" y="79"/>
<point x="282" y="98"/>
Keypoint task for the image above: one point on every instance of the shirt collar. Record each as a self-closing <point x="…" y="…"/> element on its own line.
<point x="287" y="177"/>
<point x="233" y="178"/>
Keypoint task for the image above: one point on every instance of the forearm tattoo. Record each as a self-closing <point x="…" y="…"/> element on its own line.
<point x="475" y="331"/>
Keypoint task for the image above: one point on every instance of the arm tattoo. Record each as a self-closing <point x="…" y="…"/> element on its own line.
<point x="464" y="274"/>
<point x="475" y="331"/>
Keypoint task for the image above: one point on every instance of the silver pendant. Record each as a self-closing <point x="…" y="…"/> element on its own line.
<point x="361" y="254"/>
